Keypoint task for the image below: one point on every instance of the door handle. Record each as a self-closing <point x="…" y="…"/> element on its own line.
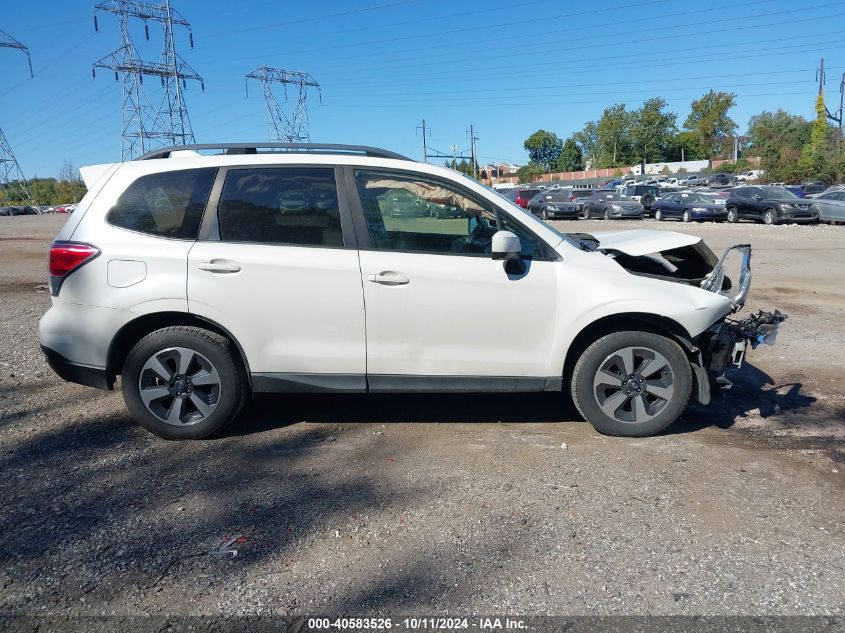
<point x="389" y="278"/>
<point x="220" y="266"/>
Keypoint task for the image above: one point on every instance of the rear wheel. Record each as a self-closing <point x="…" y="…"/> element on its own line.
<point x="184" y="382"/>
<point x="586" y="213"/>
<point x="733" y="215"/>
<point x="686" y="217"/>
<point x="607" y="214"/>
<point x="545" y="214"/>
<point x="631" y="383"/>
<point x="658" y="215"/>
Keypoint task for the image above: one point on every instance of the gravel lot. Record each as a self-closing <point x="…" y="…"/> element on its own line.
<point x="435" y="504"/>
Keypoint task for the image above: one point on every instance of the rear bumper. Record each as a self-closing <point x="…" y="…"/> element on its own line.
<point x="75" y="372"/>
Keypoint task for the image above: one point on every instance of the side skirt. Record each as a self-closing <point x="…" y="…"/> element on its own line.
<point x="358" y="383"/>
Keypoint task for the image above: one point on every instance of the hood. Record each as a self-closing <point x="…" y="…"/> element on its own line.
<point x="643" y="241"/>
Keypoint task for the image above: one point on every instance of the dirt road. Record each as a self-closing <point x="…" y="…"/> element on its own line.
<point x="435" y="504"/>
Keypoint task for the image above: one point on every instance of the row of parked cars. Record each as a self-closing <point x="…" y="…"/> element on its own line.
<point x="770" y="204"/>
<point x="36" y="210"/>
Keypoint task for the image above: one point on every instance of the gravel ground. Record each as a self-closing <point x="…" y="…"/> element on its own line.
<point x="435" y="504"/>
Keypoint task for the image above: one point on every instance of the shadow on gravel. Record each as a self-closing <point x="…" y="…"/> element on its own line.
<point x="268" y="412"/>
<point x="103" y="509"/>
<point x="753" y="391"/>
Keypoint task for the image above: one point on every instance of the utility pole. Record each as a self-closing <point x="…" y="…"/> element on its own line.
<point x="425" y="131"/>
<point x="472" y="139"/>
<point x="820" y="75"/>
<point x="10" y="169"/>
<point x="149" y="120"/>
<point x="286" y="126"/>
<point x="837" y="115"/>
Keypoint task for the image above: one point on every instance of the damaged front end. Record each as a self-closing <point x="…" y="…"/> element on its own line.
<point x="686" y="259"/>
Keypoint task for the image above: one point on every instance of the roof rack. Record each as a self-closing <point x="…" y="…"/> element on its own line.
<point x="252" y="148"/>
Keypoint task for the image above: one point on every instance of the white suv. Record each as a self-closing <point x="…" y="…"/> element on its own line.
<point x="201" y="279"/>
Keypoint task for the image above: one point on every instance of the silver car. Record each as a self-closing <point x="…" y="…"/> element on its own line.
<point x="830" y="205"/>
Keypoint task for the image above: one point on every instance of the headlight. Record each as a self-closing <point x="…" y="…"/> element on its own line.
<point x="551" y="208"/>
<point x="787" y="206"/>
<point x="616" y="207"/>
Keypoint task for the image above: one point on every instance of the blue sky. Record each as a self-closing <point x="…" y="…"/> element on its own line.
<point x="509" y="68"/>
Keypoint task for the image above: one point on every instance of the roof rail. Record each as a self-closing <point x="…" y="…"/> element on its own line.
<point x="252" y="148"/>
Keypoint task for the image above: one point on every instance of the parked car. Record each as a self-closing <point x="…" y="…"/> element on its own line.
<point x="771" y="205"/>
<point x="747" y="176"/>
<point x="719" y="180"/>
<point x="830" y="205"/>
<point x="612" y="184"/>
<point x="798" y="190"/>
<point x="609" y="205"/>
<point x="27" y="210"/>
<point x="692" y="181"/>
<point x="688" y="206"/>
<point x="812" y="187"/>
<point x="521" y="197"/>
<point x="644" y="194"/>
<point x="553" y="204"/>
<point x="670" y="182"/>
<point x="197" y="300"/>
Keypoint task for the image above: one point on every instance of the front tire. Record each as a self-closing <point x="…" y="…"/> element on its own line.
<point x="658" y="215"/>
<point x="184" y="382"/>
<point x="607" y="214"/>
<point x="686" y="217"/>
<point x="733" y="215"/>
<point x="586" y="213"/>
<point x="769" y="217"/>
<point x="545" y="214"/>
<point x="632" y="383"/>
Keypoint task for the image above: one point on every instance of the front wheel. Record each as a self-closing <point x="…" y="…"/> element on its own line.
<point x="658" y="215"/>
<point x="769" y="217"/>
<point x="733" y="215"/>
<point x="607" y="214"/>
<point x="586" y="213"/>
<point x="545" y="214"/>
<point x="631" y="383"/>
<point x="184" y="382"/>
<point x="686" y="217"/>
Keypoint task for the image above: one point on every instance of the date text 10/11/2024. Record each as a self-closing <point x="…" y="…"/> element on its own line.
<point x="416" y="624"/>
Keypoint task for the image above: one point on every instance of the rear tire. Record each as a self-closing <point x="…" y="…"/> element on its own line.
<point x="586" y="213"/>
<point x="545" y="214"/>
<point x="184" y="382"/>
<point x="631" y="384"/>
<point x="686" y="217"/>
<point x="658" y="215"/>
<point x="733" y="215"/>
<point x="607" y="214"/>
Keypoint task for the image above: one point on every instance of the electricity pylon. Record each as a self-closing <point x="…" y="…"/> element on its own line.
<point x="149" y="123"/>
<point x="291" y="125"/>
<point x="10" y="170"/>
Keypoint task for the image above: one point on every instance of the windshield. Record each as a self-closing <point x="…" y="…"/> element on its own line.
<point x="698" y="197"/>
<point x="777" y="192"/>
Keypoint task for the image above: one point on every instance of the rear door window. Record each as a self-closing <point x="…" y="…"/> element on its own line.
<point x="166" y="204"/>
<point x="297" y="206"/>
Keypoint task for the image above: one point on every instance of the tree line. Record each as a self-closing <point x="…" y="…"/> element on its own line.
<point x="66" y="189"/>
<point x="790" y="147"/>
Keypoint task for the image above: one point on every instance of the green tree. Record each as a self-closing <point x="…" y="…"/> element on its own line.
<point x="588" y="140"/>
<point x="614" y="132"/>
<point x="710" y="126"/>
<point x="570" y="158"/>
<point x="778" y="138"/>
<point x="652" y="130"/>
<point x="818" y="159"/>
<point x="543" y="148"/>
<point x="529" y="172"/>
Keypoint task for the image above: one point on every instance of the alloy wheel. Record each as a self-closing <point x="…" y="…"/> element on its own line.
<point x="179" y="386"/>
<point x="634" y="384"/>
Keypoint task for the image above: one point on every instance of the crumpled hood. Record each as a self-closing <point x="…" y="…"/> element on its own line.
<point x="643" y="241"/>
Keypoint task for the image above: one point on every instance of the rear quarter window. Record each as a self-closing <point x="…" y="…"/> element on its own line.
<point x="167" y="204"/>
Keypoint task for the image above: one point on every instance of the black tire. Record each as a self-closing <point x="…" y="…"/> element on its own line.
<point x="686" y="216"/>
<point x="607" y="214"/>
<point x="658" y="413"/>
<point x="658" y="215"/>
<point x="225" y="399"/>
<point x="586" y="213"/>
<point x="545" y="214"/>
<point x="733" y="215"/>
<point x="770" y="217"/>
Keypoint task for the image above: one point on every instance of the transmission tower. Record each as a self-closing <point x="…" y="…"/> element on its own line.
<point x="10" y="170"/>
<point x="291" y="125"/>
<point x="149" y="121"/>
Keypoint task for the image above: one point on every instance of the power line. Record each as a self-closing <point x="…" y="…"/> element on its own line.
<point x="10" y="169"/>
<point x="287" y="125"/>
<point x="147" y="125"/>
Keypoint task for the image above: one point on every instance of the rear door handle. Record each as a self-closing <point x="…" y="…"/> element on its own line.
<point x="389" y="278"/>
<point x="218" y="266"/>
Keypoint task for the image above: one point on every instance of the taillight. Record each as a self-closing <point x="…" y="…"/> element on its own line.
<point x="65" y="257"/>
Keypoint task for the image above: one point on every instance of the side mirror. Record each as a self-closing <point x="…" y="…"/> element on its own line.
<point x="506" y="245"/>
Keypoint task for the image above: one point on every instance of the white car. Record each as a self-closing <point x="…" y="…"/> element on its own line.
<point x="748" y="176"/>
<point x="202" y="279"/>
